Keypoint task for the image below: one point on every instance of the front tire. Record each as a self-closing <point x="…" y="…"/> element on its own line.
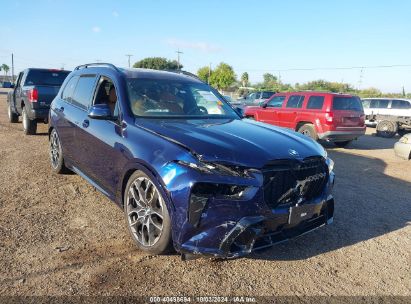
<point x="29" y="126"/>
<point x="146" y="213"/>
<point x="56" y="154"/>
<point x="13" y="117"/>
<point x="308" y="130"/>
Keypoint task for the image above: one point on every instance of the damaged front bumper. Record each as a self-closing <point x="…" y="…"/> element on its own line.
<point x="234" y="221"/>
<point x="252" y="233"/>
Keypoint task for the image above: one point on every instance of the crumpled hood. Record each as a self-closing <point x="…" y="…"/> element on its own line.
<point x="240" y="142"/>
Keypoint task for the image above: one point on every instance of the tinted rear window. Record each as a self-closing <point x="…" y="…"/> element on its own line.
<point x="47" y="78"/>
<point x="379" y="103"/>
<point x="347" y="103"/>
<point x="315" y="102"/>
<point x="295" y="101"/>
<point x="400" y="104"/>
<point x="267" y="95"/>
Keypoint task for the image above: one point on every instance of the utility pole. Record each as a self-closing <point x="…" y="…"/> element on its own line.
<point x="129" y="56"/>
<point x="12" y="68"/>
<point x="178" y="58"/>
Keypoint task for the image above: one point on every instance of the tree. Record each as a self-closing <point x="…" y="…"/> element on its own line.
<point x="204" y="73"/>
<point x="5" y="68"/>
<point x="157" y="63"/>
<point x="244" y="79"/>
<point x="223" y="76"/>
<point x="269" y="78"/>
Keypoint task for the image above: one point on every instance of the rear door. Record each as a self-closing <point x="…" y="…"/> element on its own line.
<point x="80" y="104"/>
<point x="287" y="116"/>
<point x="348" y="111"/>
<point x="63" y="112"/>
<point x="269" y="114"/>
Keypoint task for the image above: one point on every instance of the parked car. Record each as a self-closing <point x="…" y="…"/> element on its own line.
<point x="204" y="183"/>
<point x="332" y="117"/>
<point x="402" y="148"/>
<point x="385" y="106"/>
<point x="7" y="85"/>
<point x="256" y="98"/>
<point x="31" y="98"/>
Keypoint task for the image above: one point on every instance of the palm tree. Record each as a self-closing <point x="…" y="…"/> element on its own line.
<point x="5" y="68"/>
<point x="244" y="79"/>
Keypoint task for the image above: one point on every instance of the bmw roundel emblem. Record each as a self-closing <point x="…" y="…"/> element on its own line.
<point x="293" y="152"/>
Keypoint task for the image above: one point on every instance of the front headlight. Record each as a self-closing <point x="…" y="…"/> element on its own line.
<point x="216" y="168"/>
<point x="330" y="164"/>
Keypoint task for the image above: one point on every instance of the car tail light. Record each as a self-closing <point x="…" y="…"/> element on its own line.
<point x="329" y="117"/>
<point x="33" y="95"/>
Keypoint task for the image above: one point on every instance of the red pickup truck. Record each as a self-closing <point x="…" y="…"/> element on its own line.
<point x="333" y="117"/>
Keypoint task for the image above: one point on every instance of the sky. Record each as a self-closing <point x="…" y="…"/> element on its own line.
<point x="295" y="40"/>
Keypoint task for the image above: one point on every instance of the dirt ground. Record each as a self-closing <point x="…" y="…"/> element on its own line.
<point x="59" y="236"/>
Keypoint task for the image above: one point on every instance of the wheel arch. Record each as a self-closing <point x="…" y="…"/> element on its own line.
<point x="304" y="122"/>
<point x="138" y="165"/>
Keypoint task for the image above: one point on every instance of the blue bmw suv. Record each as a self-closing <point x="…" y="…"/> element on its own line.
<point x="189" y="172"/>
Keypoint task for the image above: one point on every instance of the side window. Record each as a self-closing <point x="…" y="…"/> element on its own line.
<point x="374" y="103"/>
<point x="366" y="103"/>
<point x="107" y="94"/>
<point x="295" y="101"/>
<point x="67" y="93"/>
<point x="315" y="102"/>
<point x="400" y="104"/>
<point x="276" y="102"/>
<point x="382" y="103"/>
<point x="84" y="91"/>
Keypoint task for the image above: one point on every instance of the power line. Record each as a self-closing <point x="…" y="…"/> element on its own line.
<point x="328" y="68"/>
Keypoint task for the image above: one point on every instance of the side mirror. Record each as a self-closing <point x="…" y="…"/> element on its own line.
<point x="100" y="111"/>
<point x="263" y="104"/>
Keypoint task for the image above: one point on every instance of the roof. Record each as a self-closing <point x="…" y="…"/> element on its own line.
<point x="143" y="73"/>
<point x="386" y="98"/>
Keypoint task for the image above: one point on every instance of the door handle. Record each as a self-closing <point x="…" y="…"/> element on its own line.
<point x="86" y="123"/>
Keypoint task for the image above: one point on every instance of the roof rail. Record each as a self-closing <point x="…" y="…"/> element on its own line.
<point x="184" y="73"/>
<point x="85" y="66"/>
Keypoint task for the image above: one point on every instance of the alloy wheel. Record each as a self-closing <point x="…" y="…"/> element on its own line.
<point x="54" y="149"/>
<point x="145" y="211"/>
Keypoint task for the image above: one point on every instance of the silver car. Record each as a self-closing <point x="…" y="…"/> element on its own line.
<point x="402" y="148"/>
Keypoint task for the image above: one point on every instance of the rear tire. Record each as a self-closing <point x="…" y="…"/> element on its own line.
<point x="29" y="126"/>
<point x="386" y="128"/>
<point x="146" y="214"/>
<point x="308" y="130"/>
<point x="342" y="144"/>
<point x="13" y="117"/>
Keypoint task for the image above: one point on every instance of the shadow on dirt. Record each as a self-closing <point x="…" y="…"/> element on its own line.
<point x="369" y="204"/>
<point x="367" y="142"/>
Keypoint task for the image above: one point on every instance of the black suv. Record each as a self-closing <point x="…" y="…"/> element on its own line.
<point x="34" y="91"/>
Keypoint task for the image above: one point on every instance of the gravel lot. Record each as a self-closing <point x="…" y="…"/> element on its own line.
<point x="59" y="236"/>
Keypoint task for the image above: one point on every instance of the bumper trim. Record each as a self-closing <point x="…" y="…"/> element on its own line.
<point x="341" y="135"/>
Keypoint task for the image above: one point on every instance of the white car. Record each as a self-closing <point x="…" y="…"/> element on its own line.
<point x="385" y="106"/>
